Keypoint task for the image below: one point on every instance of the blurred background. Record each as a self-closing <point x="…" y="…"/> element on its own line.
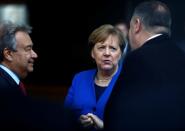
<point x="60" y="33"/>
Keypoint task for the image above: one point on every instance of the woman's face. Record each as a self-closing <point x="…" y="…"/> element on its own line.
<point x="107" y="54"/>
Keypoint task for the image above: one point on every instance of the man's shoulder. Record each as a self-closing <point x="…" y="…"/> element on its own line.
<point x="153" y="48"/>
<point x="3" y="82"/>
<point x="6" y="80"/>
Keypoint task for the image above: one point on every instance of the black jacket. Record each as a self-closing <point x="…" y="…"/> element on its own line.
<point x="150" y="91"/>
<point x="24" y="113"/>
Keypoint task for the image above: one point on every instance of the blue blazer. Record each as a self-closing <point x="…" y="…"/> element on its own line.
<point x="81" y="97"/>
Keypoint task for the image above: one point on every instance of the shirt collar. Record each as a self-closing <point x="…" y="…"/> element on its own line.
<point x="153" y="37"/>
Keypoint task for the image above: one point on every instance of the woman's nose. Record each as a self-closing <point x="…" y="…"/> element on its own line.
<point x="107" y="51"/>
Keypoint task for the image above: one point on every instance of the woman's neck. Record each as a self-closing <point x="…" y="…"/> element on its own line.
<point x="104" y="75"/>
<point x="103" y="78"/>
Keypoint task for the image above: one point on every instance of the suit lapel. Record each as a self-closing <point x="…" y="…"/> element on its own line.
<point x="10" y="83"/>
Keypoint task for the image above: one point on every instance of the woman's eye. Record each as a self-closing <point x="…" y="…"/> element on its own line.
<point x="102" y="47"/>
<point x="113" y="48"/>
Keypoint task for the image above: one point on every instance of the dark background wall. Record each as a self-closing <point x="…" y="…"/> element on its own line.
<point x="59" y="35"/>
<point x="61" y="30"/>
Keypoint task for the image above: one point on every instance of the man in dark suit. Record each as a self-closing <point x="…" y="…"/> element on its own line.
<point x="18" y="111"/>
<point x="150" y="91"/>
<point x="16" y="61"/>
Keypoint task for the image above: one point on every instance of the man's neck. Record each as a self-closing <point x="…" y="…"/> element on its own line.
<point x="146" y="37"/>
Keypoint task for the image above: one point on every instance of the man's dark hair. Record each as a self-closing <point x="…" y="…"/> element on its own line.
<point x="7" y="35"/>
<point x="154" y="14"/>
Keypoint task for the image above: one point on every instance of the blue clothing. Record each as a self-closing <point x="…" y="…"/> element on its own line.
<point x="81" y="97"/>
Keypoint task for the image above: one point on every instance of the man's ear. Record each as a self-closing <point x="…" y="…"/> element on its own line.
<point x="7" y="53"/>
<point x="137" y="25"/>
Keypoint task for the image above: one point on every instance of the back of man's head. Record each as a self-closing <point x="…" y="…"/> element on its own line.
<point x="155" y="16"/>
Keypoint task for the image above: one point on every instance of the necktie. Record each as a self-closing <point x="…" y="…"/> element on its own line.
<point x="21" y="86"/>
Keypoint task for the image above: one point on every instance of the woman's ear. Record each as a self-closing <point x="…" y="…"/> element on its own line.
<point x="92" y="54"/>
<point x="7" y="53"/>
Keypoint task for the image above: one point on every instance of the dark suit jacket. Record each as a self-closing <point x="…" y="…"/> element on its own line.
<point x="23" y="113"/>
<point x="181" y="45"/>
<point x="150" y="91"/>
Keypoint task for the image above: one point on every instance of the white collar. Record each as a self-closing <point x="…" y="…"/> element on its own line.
<point x="156" y="35"/>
